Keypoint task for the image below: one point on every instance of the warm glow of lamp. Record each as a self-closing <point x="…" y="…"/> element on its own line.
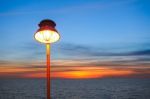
<point x="47" y="36"/>
<point x="47" y="33"/>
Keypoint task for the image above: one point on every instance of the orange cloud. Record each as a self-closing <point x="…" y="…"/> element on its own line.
<point x="38" y="70"/>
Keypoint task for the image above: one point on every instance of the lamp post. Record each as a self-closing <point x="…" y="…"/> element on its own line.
<point x="47" y="34"/>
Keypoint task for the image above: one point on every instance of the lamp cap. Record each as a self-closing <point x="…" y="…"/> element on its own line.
<point x="47" y="22"/>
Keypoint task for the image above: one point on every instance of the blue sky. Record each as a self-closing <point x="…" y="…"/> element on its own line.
<point x="103" y="31"/>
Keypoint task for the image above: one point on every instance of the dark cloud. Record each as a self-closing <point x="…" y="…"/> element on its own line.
<point x="3" y="62"/>
<point x="35" y="66"/>
<point x="140" y="52"/>
<point x="80" y="50"/>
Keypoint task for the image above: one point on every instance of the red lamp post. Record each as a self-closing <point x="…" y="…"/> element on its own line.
<point x="47" y="34"/>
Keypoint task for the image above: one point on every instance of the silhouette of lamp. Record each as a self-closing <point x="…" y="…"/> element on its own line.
<point x="47" y="34"/>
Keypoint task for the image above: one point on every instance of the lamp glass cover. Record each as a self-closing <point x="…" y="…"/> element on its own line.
<point x="47" y="36"/>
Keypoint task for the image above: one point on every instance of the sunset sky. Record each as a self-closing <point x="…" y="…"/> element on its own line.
<point x="99" y="38"/>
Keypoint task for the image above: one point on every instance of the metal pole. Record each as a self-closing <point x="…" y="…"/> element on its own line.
<point x="48" y="69"/>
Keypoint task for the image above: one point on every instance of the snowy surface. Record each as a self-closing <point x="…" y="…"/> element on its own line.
<point x="111" y="88"/>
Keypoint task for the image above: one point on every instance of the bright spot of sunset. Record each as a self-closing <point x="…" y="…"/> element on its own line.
<point x="90" y="74"/>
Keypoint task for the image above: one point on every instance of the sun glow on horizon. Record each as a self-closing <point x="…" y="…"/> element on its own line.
<point x="85" y="74"/>
<point x="82" y="74"/>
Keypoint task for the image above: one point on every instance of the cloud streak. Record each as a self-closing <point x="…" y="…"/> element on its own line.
<point x="73" y="49"/>
<point x="64" y="68"/>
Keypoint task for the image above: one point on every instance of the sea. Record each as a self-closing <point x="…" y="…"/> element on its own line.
<point x="103" y="88"/>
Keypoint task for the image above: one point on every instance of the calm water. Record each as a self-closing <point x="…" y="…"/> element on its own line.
<point x="110" y="88"/>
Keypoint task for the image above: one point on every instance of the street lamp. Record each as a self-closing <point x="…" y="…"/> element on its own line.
<point x="47" y="34"/>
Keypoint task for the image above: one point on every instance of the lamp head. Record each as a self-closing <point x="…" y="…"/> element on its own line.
<point x="47" y="32"/>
